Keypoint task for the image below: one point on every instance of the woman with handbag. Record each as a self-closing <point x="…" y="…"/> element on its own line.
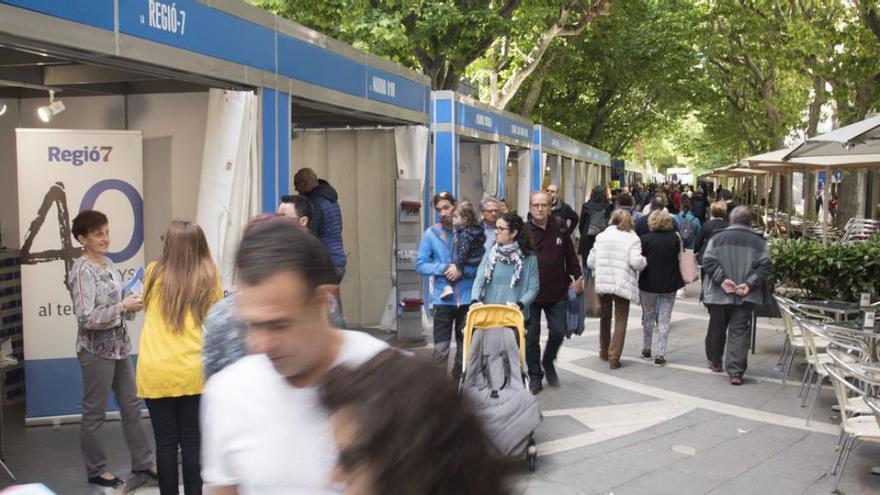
<point x="616" y="260"/>
<point x="659" y="282"/>
<point x="508" y="273"/>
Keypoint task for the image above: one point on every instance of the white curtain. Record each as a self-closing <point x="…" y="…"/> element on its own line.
<point x="411" y="145"/>
<point x="228" y="190"/>
<point x="524" y="171"/>
<point x="489" y="168"/>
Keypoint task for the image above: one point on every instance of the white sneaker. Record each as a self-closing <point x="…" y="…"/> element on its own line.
<point x="681" y="293"/>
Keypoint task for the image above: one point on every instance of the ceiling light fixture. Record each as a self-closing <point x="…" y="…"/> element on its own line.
<point x="2" y="106"/>
<point x="46" y="113"/>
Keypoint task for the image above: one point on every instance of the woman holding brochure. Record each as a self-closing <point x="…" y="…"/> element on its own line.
<point x="103" y="346"/>
<point x="180" y="288"/>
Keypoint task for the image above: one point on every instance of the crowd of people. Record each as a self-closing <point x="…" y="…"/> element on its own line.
<point x="264" y="391"/>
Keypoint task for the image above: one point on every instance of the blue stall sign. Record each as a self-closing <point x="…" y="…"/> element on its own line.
<point x="194" y="26"/>
<point x="396" y="90"/>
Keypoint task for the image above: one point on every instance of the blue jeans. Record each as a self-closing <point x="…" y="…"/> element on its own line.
<point x="556" y="327"/>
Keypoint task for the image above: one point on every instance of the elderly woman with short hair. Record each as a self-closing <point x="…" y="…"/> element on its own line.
<point x="616" y="259"/>
<point x="659" y="281"/>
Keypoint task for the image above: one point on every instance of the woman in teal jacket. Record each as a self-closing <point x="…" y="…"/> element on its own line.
<point x="508" y="273"/>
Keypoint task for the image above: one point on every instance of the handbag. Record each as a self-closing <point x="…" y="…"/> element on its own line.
<point x="687" y="263"/>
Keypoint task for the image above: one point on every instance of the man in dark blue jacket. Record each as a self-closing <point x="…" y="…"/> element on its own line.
<point x="326" y="224"/>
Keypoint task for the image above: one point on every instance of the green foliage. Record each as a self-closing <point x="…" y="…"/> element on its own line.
<point x="630" y="75"/>
<point x="833" y="271"/>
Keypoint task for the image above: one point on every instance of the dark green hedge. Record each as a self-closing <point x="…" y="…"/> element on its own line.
<point x="833" y="271"/>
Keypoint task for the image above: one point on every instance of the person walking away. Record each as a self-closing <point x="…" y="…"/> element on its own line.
<point x="616" y="259"/>
<point x="688" y="228"/>
<point x="659" y="282"/>
<point x="716" y="223"/>
<point x="328" y="215"/>
<point x="699" y="205"/>
<point x="562" y="209"/>
<point x="737" y="265"/>
<point x="103" y="347"/>
<point x="434" y="260"/>
<point x="180" y="288"/>
<point x="625" y="202"/>
<point x="593" y="220"/>
<point x="390" y="414"/>
<point x="263" y="428"/>
<point x="658" y="203"/>
<point x="490" y="210"/>
<point x="508" y="273"/>
<point x="558" y="269"/>
<point x="468" y="242"/>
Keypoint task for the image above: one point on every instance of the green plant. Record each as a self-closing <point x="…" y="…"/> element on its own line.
<point x="827" y="271"/>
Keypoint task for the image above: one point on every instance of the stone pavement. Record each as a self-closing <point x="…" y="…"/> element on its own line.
<point x="640" y="429"/>
<point x="683" y="429"/>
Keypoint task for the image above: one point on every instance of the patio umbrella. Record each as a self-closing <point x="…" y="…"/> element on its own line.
<point x="861" y="138"/>
<point x="819" y="156"/>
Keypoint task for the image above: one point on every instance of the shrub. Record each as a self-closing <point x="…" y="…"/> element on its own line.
<point x="833" y="271"/>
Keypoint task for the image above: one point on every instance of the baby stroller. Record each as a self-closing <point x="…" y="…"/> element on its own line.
<point x="494" y="378"/>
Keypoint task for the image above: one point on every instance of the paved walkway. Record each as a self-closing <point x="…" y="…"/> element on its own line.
<point x="640" y="429"/>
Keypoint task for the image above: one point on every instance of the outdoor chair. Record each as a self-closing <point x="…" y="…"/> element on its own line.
<point x="816" y="360"/>
<point x="855" y="429"/>
<point x="794" y="340"/>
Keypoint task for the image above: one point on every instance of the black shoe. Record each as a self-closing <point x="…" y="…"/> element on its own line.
<point x="111" y="483"/>
<point x="536" y="389"/>
<point x="646" y="354"/>
<point x="550" y="374"/>
<point x="659" y="361"/>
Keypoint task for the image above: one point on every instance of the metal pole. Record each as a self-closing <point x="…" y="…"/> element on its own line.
<point x="825" y="205"/>
<point x="777" y="185"/>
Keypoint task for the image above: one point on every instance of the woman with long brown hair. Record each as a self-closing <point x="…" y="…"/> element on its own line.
<point x="180" y="288"/>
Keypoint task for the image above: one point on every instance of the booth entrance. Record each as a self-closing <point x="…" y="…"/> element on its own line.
<point x="575" y="167"/>
<point x="479" y="151"/>
<point x="358" y="154"/>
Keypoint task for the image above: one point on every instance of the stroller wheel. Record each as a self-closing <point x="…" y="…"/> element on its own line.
<point x="532" y="455"/>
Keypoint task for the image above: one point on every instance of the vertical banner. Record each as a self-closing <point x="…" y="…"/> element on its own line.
<point x="60" y="173"/>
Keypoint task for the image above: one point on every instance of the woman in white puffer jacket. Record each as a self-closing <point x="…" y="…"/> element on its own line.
<point x="616" y="260"/>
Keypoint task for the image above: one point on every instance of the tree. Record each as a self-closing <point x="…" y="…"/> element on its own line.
<point x="520" y="52"/>
<point x="632" y="73"/>
<point x="441" y="38"/>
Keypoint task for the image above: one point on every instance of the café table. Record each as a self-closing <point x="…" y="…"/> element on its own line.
<point x="839" y="310"/>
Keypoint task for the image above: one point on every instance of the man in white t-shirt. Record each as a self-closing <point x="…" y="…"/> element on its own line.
<point x="263" y="429"/>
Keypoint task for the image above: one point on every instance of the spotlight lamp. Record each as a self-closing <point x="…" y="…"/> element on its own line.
<point x="2" y="106"/>
<point x="47" y="112"/>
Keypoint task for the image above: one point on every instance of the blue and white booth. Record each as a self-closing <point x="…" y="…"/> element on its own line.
<point x="479" y="151"/>
<point x="574" y="166"/>
<point x="212" y="107"/>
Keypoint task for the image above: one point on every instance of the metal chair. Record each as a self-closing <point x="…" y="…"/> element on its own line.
<point x="855" y="429"/>
<point x="815" y="363"/>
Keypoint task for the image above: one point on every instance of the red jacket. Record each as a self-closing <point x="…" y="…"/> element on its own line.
<point x="558" y="263"/>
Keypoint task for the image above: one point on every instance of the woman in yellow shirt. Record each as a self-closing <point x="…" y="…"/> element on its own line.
<point x="180" y="288"/>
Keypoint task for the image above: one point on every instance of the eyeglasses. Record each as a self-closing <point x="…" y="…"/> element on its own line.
<point x="502" y="229"/>
<point x="540" y="205"/>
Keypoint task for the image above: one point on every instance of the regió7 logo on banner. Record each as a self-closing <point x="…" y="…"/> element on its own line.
<point x="80" y="156"/>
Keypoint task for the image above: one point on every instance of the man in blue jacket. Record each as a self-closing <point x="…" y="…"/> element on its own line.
<point x="326" y="225"/>
<point x="435" y="261"/>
